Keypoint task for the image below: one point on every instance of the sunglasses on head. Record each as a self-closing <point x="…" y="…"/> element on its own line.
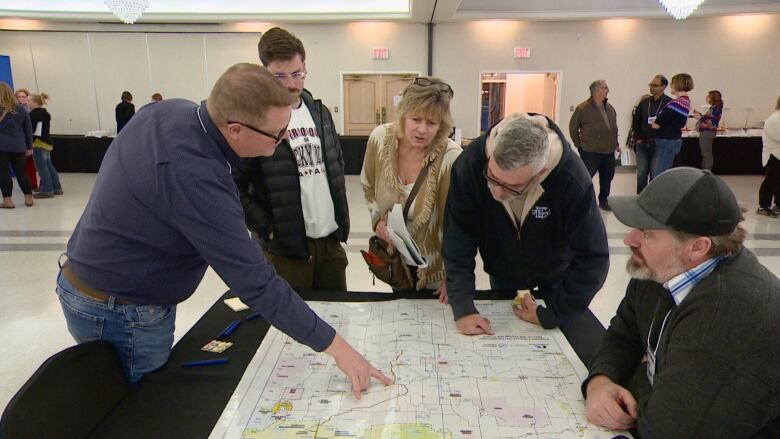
<point x="425" y="82"/>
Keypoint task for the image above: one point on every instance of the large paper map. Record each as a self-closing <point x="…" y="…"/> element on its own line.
<point x="523" y="382"/>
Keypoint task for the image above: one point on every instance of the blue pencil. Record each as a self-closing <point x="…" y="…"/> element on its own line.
<point x="230" y="328"/>
<point x="205" y="362"/>
<point x="251" y="317"/>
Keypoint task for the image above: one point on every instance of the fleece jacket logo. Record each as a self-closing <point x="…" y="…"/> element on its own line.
<point x="540" y="212"/>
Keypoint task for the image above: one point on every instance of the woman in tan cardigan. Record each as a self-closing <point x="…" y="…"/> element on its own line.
<point x="396" y="154"/>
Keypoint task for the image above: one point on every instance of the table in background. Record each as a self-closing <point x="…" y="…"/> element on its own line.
<point x="79" y="153"/>
<point x="733" y="155"/>
<point x="177" y="402"/>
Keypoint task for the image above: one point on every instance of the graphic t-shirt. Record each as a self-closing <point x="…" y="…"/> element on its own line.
<point x="318" y="213"/>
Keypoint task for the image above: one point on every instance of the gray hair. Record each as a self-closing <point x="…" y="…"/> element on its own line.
<point x="722" y="245"/>
<point x="521" y="142"/>
<point x="596" y="84"/>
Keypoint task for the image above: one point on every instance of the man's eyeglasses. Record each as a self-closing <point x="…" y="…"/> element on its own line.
<point x="425" y="82"/>
<point x="654" y="85"/>
<point x="278" y="138"/>
<point x="516" y="189"/>
<point x="296" y="76"/>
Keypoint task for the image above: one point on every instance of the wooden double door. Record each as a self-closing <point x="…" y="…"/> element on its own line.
<point x="371" y="100"/>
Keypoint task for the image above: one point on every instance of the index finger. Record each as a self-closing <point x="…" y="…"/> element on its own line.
<point x="355" y="386"/>
<point x="381" y="377"/>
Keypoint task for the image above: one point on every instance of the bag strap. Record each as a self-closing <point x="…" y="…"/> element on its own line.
<point x="415" y="189"/>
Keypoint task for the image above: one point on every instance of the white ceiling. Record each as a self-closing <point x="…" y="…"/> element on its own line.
<point x="421" y="11"/>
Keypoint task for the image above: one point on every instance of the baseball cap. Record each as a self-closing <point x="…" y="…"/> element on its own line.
<point x="688" y="200"/>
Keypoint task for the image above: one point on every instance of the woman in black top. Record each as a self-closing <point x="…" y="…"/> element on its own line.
<point x="41" y="123"/>
<point x="124" y="111"/>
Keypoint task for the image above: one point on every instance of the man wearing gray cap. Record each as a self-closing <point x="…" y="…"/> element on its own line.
<point x="693" y="350"/>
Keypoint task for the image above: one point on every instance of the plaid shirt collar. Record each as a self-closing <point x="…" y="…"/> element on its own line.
<point x="682" y="284"/>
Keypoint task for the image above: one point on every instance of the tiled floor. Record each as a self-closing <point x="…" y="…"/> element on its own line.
<point x="32" y="326"/>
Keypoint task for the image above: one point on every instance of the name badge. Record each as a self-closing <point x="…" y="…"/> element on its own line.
<point x="650" y="365"/>
<point x="650" y="120"/>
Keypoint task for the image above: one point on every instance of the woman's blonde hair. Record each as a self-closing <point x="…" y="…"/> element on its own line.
<point x="8" y="100"/>
<point x="429" y="98"/>
<point x="40" y="99"/>
<point x="245" y="93"/>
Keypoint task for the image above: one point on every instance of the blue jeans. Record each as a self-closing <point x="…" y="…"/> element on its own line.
<point x="141" y="334"/>
<point x="604" y="164"/>
<point x="664" y="154"/>
<point x="50" y="179"/>
<point x="644" y="160"/>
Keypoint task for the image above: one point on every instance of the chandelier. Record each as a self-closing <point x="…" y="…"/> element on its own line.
<point x="127" y="10"/>
<point x="680" y="9"/>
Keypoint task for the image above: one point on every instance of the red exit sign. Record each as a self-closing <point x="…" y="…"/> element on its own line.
<point x="522" y="52"/>
<point x="380" y="53"/>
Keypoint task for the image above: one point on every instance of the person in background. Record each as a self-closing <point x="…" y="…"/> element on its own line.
<point x="164" y="208"/>
<point x="295" y="201"/>
<point x="708" y="127"/>
<point x="15" y="146"/>
<point x="669" y="124"/>
<point x="124" y="111"/>
<point x="771" y="159"/>
<point x="415" y="146"/>
<point x="523" y="199"/>
<point x="157" y="97"/>
<point x="647" y="111"/>
<point x="692" y="351"/>
<point x="23" y="97"/>
<point x="594" y="132"/>
<point x="42" y="147"/>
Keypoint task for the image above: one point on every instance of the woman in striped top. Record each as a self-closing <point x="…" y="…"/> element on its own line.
<point x="708" y="127"/>
<point x="670" y="122"/>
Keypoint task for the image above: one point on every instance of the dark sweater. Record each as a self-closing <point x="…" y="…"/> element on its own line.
<point x="717" y="373"/>
<point x="270" y="190"/>
<point x="673" y="118"/>
<point x="15" y="131"/>
<point x="164" y="208"/>
<point x="561" y="246"/>
<point x="648" y="107"/>
<point x="40" y="115"/>
<point x="124" y="111"/>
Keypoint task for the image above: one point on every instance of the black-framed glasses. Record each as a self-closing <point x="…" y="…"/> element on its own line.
<point x="425" y="82"/>
<point x="295" y="76"/>
<point x="278" y="138"/>
<point x="516" y="189"/>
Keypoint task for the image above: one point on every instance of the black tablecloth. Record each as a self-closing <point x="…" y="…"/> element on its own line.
<point x="354" y="149"/>
<point x="79" y="153"/>
<point x="732" y="155"/>
<point x="186" y="403"/>
<point x="85" y="154"/>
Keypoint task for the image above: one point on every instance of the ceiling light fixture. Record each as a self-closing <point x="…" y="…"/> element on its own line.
<point x="127" y="10"/>
<point x="680" y="9"/>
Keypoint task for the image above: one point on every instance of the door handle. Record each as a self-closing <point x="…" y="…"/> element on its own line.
<point x="384" y="115"/>
<point x="377" y="117"/>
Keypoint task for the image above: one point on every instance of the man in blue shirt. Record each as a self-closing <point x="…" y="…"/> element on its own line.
<point x="164" y="208"/>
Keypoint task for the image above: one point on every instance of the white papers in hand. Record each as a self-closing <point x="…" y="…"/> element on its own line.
<point x="38" y="127"/>
<point x="402" y="241"/>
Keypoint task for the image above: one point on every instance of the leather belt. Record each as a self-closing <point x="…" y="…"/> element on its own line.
<point x="86" y="290"/>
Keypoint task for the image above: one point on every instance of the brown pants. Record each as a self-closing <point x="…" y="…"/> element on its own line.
<point x="325" y="270"/>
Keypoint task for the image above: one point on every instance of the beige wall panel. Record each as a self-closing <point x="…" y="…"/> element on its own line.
<point x="178" y="65"/>
<point x="224" y="50"/>
<point x="17" y="46"/>
<point x="120" y="64"/>
<point x="63" y="66"/>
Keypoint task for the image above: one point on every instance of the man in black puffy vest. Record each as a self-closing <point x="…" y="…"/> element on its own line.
<point x="295" y="201"/>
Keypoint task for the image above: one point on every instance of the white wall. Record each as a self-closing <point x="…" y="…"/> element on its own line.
<point x="737" y="55"/>
<point x="85" y="71"/>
